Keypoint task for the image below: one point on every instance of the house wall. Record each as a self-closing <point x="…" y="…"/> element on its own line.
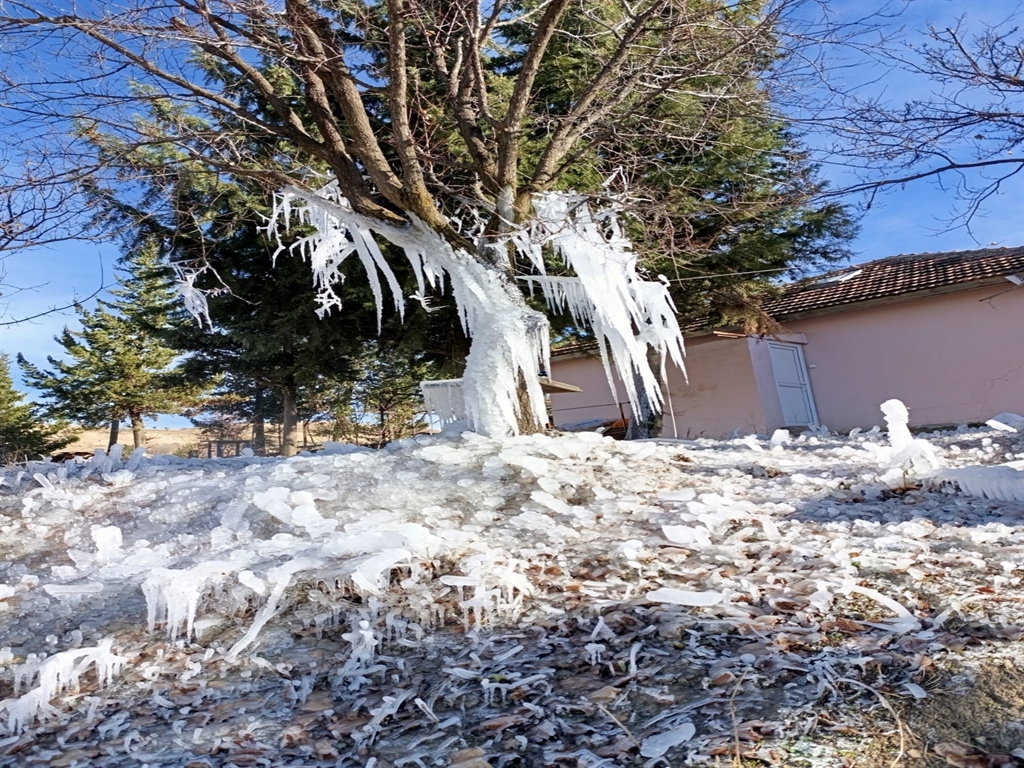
<point x="721" y="396"/>
<point x="951" y="359"/>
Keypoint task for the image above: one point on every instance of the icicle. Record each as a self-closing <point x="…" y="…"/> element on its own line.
<point x="371" y="574"/>
<point x="55" y="675"/>
<point x="627" y="315"/>
<point x="444" y="399"/>
<point x="989" y="482"/>
<point x="173" y="596"/>
<point x="364" y="644"/>
<point x="280" y="577"/>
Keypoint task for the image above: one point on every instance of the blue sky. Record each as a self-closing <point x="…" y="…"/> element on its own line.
<point x="908" y="219"/>
<point x="915" y="217"/>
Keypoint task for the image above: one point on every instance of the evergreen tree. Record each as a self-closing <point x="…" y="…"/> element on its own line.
<point x="388" y="392"/>
<point x="275" y="358"/>
<point x="24" y="433"/>
<point x="118" y="369"/>
<point x="266" y="336"/>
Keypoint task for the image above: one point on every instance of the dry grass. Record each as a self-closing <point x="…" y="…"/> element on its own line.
<point x="157" y="440"/>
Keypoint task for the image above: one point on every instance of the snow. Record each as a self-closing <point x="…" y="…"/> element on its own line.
<point x="392" y="602"/>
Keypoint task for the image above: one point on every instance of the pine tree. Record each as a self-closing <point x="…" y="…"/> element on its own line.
<point x="388" y="391"/>
<point x="119" y="369"/>
<point x="24" y="433"/>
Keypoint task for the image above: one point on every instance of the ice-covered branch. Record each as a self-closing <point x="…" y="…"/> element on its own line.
<point x="510" y="340"/>
<point x="629" y="316"/>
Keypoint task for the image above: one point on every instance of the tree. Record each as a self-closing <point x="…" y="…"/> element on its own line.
<point x="274" y="359"/>
<point x="24" y="433"/>
<point x="430" y="119"/>
<point x="964" y="132"/>
<point x="264" y="335"/>
<point x="118" y="368"/>
<point x="388" y="392"/>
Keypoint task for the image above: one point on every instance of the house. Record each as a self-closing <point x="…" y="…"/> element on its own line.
<point x="943" y="332"/>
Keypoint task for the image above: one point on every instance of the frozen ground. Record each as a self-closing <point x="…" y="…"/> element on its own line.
<point x="536" y="601"/>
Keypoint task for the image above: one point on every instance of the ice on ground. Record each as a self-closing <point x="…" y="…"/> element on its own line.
<point x="1007" y="422"/>
<point x="896" y="419"/>
<point x="656" y="746"/>
<point x="349" y="579"/>
<point x="1005" y="483"/>
<point x="683" y="597"/>
<point x="906" y="450"/>
<point x="53" y="676"/>
<point x="108" y="542"/>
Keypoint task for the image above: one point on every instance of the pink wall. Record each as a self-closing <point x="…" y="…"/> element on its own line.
<point x="721" y="395"/>
<point x="953" y="358"/>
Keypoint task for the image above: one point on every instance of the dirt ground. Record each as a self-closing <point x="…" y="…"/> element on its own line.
<point x="972" y="719"/>
<point x="157" y="440"/>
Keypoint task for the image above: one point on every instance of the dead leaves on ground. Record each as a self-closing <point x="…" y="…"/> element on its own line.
<point x="960" y="756"/>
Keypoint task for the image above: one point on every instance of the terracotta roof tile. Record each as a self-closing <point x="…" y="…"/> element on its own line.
<point x="895" y="276"/>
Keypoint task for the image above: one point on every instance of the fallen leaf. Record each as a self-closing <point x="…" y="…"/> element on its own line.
<point x="317" y="702"/>
<point x="469" y="758"/>
<point x="503" y="722"/>
<point x="621" y="747"/>
<point x="604" y="695"/>
<point x="325" y="750"/>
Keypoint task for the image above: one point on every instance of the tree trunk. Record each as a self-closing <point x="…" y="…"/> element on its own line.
<point x="527" y="421"/>
<point x="648" y="422"/>
<point x="289" y="422"/>
<point x="259" y="426"/>
<point x="138" y="430"/>
<point x="506" y="345"/>
<point x="115" y="428"/>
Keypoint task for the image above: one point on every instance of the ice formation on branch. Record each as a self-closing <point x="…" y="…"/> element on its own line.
<point x="988" y="482"/>
<point x="628" y="315"/>
<point x="55" y="675"/>
<point x="193" y="297"/>
<point x="510" y="340"/>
